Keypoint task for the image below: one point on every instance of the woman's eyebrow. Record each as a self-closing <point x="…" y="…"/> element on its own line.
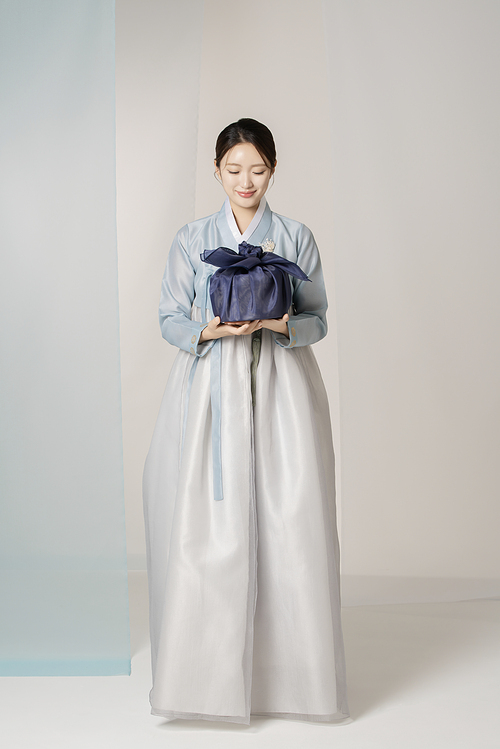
<point x="232" y="163"/>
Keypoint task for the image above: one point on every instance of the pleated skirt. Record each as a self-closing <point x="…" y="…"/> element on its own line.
<point x="244" y="592"/>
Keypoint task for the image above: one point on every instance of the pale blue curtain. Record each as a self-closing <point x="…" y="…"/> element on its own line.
<point x="63" y="584"/>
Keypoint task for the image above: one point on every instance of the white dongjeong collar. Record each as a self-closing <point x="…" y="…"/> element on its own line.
<point x="253" y="223"/>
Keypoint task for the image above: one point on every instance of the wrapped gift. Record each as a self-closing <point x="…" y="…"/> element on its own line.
<point x="251" y="284"/>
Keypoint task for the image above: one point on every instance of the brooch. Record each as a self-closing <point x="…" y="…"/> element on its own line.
<point x="268" y="245"/>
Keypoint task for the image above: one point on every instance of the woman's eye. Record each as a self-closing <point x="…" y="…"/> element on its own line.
<point x="256" y="173"/>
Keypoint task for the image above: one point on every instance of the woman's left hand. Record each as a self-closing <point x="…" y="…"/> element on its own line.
<point x="279" y="326"/>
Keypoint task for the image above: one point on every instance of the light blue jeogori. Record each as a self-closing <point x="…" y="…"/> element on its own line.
<point x="186" y="281"/>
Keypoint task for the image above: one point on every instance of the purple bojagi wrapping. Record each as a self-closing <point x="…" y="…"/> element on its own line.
<point x="250" y="284"/>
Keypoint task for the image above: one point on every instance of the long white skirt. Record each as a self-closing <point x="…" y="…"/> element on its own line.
<point x="244" y="592"/>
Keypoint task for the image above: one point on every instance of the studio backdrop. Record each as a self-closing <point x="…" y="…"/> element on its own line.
<point x="385" y="116"/>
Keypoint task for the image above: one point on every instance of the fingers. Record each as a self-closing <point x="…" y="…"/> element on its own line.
<point x="211" y="331"/>
<point x="219" y="329"/>
<point x="244" y="329"/>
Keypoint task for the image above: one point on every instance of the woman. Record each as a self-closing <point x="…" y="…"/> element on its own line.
<point x="239" y="482"/>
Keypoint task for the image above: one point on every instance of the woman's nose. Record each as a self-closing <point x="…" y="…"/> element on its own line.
<point x="246" y="180"/>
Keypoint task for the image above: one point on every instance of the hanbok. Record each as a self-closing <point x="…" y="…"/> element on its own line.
<point x="239" y="500"/>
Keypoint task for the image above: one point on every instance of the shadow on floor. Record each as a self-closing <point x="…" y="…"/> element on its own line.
<point x="392" y="650"/>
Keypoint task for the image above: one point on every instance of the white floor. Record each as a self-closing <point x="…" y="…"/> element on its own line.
<point x="420" y="675"/>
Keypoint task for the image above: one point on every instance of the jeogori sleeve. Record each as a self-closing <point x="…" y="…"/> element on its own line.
<point x="308" y="324"/>
<point x="177" y="295"/>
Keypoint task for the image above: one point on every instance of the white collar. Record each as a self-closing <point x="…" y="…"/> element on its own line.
<point x="253" y="223"/>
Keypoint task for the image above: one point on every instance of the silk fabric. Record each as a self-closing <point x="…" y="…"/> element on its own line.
<point x="244" y="594"/>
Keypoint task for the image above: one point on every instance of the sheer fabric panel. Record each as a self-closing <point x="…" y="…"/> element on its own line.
<point x="63" y="583"/>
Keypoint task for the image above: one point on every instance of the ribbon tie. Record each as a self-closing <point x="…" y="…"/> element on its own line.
<point x="248" y="256"/>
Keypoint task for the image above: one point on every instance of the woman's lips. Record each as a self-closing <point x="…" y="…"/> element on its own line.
<point x="245" y="194"/>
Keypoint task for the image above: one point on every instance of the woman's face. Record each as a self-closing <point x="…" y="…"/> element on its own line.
<point x="244" y="175"/>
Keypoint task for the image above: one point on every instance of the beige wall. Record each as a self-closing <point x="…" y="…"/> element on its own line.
<point x="161" y="96"/>
<point x="406" y="220"/>
<point x="416" y="117"/>
<point x="156" y="113"/>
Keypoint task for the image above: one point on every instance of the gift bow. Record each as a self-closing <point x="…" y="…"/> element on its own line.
<point x="248" y="256"/>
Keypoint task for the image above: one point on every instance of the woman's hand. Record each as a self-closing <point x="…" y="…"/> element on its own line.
<point x="279" y="326"/>
<point x="216" y="329"/>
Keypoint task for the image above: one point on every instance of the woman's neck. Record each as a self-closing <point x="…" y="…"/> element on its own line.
<point x="243" y="216"/>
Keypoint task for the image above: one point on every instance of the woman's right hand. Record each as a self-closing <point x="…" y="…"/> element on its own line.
<point x="216" y="329"/>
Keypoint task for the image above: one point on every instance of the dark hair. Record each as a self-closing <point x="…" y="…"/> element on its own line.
<point x="246" y="130"/>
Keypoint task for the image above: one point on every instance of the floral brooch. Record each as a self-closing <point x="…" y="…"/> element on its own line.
<point x="268" y="245"/>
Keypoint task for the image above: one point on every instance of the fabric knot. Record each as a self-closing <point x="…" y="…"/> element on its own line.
<point x="250" y="249"/>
